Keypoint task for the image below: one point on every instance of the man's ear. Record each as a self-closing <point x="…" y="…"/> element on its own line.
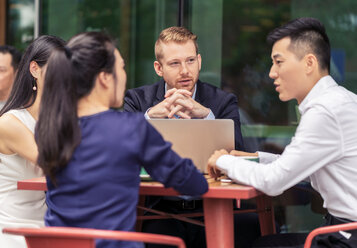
<point x="311" y="63"/>
<point x="105" y="79"/>
<point x="158" y="68"/>
<point x="35" y="69"/>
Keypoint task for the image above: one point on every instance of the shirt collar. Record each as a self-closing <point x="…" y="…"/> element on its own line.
<point x="194" y="92"/>
<point x="324" y="83"/>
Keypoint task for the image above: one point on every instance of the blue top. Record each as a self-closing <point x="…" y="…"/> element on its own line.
<point x="99" y="187"/>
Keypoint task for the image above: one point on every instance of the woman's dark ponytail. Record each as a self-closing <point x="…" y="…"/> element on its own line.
<point x="71" y="74"/>
<point x="57" y="128"/>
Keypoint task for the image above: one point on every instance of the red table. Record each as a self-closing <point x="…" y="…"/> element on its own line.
<point x="217" y="204"/>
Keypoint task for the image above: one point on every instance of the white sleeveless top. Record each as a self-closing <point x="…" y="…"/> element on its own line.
<point x="19" y="208"/>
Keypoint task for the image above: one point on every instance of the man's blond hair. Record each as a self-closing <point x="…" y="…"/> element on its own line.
<point x="174" y="34"/>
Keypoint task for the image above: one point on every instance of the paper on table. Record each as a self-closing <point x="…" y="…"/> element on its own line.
<point x="250" y="158"/>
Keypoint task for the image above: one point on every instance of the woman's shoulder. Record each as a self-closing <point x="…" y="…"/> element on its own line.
<point x="114" y="126"/>
<point x="19" y="117"/>
<point x="117" y="115"/>
<point x="115" y="118"/>
<point x="11" y="128"/>
<point x="9" y="122"/>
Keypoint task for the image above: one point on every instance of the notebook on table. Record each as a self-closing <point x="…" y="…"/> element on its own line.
<point x="196" y="139"/>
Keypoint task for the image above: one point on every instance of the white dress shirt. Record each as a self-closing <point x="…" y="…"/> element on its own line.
<point x="324" y="149"/>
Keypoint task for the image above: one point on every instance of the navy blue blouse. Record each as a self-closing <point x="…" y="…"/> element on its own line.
<point x="99" y="187"/>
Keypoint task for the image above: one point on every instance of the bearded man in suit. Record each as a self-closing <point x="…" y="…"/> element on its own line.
<point x="180" y="93"/>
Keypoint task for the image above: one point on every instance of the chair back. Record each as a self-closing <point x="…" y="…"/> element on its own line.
<point x="73" y="237"/>
<point x="328" y="229"/>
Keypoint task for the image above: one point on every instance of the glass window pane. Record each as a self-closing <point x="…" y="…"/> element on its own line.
<point x="135" y="24"/>
<point x="20" y="23"/>
<point x="341" y="25"/>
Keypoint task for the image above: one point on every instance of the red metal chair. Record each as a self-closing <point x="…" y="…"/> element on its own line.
<point x="59" y="237"/>
<point x="328" y="229"/>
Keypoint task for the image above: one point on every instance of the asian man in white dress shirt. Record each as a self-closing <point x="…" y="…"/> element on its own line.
<point x="324" y="148"/>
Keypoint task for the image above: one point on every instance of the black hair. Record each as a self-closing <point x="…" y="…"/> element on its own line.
<point x="70" y="75"/>
<point x="307" y="35"/>
<point x="22" y="94"/>
<point x="15" y="55"/>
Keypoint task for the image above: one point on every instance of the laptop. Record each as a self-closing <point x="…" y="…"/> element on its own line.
<point x="196" y="139"/>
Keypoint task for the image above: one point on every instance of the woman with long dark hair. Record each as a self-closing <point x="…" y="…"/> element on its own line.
<point x="18" y="151"/>
<point x="93" y="155"/>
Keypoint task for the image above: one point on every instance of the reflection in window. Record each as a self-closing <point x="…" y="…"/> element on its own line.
<point x="20" y="23"/>
<point x="135" y="25"/>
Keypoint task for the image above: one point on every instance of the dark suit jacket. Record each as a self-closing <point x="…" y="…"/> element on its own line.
<point x="223" y="105"/>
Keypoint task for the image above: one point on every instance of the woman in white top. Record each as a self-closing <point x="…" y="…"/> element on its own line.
<point x="18" y="150"/>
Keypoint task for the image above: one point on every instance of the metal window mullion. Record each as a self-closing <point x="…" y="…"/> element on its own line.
<point x="36" y="28"/>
